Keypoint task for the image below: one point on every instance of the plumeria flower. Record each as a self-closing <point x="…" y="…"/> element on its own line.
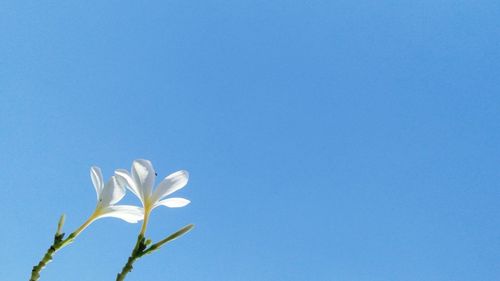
<point x="141" y="180"/>
<point x="107" y="196"/>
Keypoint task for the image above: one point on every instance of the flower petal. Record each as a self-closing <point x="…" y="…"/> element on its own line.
<point x="170" y="184"/>
<point x="131" y="214"/>
<point x="112" y="193"/>
<point x="96" y="176"/>
<point x="126" y="178"/>
<point x="173" y="202"/>
<point x="144" y="176"/>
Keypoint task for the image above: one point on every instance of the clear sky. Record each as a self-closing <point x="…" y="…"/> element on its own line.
<point x="326" y="140"/>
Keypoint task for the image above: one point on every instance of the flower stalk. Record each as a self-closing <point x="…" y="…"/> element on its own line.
<point x="142" y="248"/>
<point x="59" y="243"/>
<point x="136" y="253"/>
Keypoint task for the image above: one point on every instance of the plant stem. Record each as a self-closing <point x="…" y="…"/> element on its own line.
<point x="137" y="252"/>
<point x="58" y="244"/>
<point x="139" y="247"/>
<point x="142" y="248"/>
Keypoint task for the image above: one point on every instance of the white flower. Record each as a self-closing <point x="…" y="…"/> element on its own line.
<point x="108" y="195"/>
<point x="141" y="180"/>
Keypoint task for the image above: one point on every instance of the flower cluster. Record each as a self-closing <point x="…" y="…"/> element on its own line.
<point x="140" y="181"/>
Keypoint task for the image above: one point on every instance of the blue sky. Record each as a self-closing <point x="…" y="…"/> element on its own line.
<point x="326" y="140"/>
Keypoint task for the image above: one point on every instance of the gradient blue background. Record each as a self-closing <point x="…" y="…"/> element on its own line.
<point x="326" y="140"/>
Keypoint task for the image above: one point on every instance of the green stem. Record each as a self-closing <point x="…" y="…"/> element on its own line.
<point x="137" y="252"/>
<point x="58" y="244"/>
<point x="141" y="248"/>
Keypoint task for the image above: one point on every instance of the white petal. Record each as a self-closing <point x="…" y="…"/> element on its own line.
<point x="131" y="214"/>
<point x="144" y="176"/>
<point x="123" y="175"/>
<point x="173" y="202"/>
<point x="96" y="176"/>
<point x="112" y="193"/>
<point x="170" y="184"/>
